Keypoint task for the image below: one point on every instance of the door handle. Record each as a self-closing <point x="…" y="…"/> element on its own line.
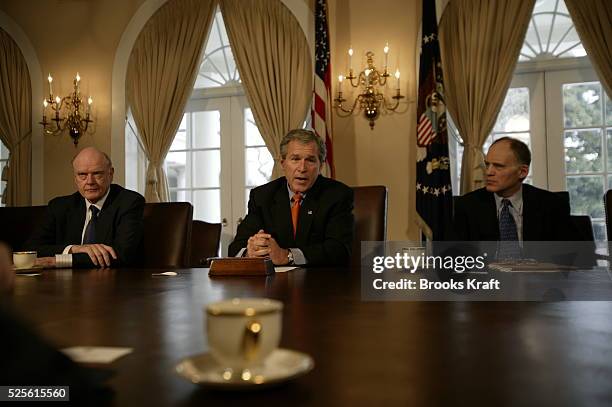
<point x="239" y="221"/>
<point x="224" y="222"/>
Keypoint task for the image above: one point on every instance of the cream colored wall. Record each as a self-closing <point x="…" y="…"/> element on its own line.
<point x="71" y="36"/>
<point x="386" y="154"/>
<point x="83" y="35"/>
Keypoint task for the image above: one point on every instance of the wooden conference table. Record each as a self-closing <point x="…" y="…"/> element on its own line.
<point x="366" y="353"/>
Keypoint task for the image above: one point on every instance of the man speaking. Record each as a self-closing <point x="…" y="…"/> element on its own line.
<point x="302" y="218"/>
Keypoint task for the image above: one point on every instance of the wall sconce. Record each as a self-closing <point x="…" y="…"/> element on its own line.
<point x="74" y="119"/>
<point x="371" y="99"/>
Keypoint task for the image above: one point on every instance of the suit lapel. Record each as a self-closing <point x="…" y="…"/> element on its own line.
<point x="103" y="227"/>
<point x="76" y="220"/>
<point x="490" y="228"/>
<point x="281" y="213"/>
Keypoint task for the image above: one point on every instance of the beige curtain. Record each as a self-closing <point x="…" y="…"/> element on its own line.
<point x="275" y="67"/>
<point x="593" y="21"/>
<point x="161" y="73"/>
<point x="480" y="42"/>
<point x="15" y="122"/>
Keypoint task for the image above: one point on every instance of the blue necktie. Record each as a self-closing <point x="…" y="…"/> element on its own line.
<point x="90" y="232"/>
<point x="508" y="246"/>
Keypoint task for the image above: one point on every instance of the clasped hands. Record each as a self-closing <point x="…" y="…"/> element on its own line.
<point x="262" y="244"/>
<point x="100" y="255"/>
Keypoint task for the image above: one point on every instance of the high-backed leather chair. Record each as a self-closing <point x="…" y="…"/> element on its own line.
<point x="167" y="234"/>
<point x="370" y="213"/>
<point x="204" y="242"/>
<point x="608" y="207"/>
<point x="18" y="223"/>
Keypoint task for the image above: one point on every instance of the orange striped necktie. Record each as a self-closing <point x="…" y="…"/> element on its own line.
<point x="295" y="210"/>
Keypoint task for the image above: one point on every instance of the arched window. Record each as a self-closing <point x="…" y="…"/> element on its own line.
<point x="218" y="154"/>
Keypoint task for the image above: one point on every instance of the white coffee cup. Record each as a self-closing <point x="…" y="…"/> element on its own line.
<point x="242" y="332"/>
<point x="24" y="260"/>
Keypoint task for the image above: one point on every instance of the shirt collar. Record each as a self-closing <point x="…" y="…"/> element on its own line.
<point x="516" y="200"/>
<point x="98" y="204"/>
<point x="291" y="193"/>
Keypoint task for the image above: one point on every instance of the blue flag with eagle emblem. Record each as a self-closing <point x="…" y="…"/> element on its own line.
<point x="434" y="196"/>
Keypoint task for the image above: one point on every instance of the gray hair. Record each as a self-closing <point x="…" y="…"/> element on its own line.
<point x="303" y="136"/>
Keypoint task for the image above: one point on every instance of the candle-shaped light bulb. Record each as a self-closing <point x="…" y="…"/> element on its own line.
<point x="397" y="76"/>
<point x="50" y="79"/>
<point x="350" y="53"/>
<point x="77" y="77"/>
<point x="386" y="51"/>
<point x="58" y="100"/>
<point x="340" y="79"/>
<point x="367" y="76"/>
<point x="89" y="100"/>
<point x="45" y="104"/>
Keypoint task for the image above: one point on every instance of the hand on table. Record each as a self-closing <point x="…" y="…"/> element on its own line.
<point x="46" y="262"/>
<point x="100" y="254"/>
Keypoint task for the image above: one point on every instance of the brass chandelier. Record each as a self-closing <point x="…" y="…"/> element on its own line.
<point x="372" y="82"/>
<point x="68" y="112"/>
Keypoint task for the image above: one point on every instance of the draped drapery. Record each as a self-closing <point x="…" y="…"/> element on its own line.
<point x="161" y="72"/>
<point x="593" y="22"/>
<point x="275" y="67"/>
<point x="480" y="43"/>
<point x="15" y="122"/>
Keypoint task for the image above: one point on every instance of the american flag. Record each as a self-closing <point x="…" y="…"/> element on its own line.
<point x="433" y="181"/>
<point x="322" y="100"/>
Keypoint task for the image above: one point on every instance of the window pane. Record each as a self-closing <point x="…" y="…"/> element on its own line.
<point x="180" y="195"/>
<point x="176" y="170"/>
<point x="258" y="166"/>
<point x="582" y="104"/>
<point x="206" y="169"/>
<point x="599" y="230"/>
<point x="608" y="110"/>
<point x="583" y="151"/>
<point x="514" y="114"/>
<point x="586" y="195"/>
<point x="4" y="153"/>
<point x="252" y="137"/>
<point x="207" y="205"/>
<point x="609" y="142"/>
<point x="180" y="141"/>
<point x="206" y="129"/>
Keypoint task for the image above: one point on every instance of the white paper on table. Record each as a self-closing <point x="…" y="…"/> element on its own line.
<point x="284" y="269"/>
<point x="95" y="354"/>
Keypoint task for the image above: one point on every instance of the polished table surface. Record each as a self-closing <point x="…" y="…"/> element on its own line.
<point x="366" y="353"/>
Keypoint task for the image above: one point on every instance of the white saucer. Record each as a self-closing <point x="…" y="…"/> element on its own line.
<point x="25" y="269"/>
<point x="280" y="366"/>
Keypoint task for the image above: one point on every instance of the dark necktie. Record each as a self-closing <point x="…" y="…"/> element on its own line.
<point x="509" y="246"/>
<point x="90" y="232"/>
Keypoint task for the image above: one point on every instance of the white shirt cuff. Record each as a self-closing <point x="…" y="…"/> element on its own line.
<point x="63" y="260"/>
<point x="241" y="252"/>
<point x="67" y="249"/>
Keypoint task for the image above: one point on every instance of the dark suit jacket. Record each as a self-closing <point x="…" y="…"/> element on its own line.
<point x="546" y="217"/>
<point x="119" y="225"/>
<point x="325" y="226"/>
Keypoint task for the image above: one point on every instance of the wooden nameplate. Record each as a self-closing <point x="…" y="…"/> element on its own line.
<point x="240" y="266"/>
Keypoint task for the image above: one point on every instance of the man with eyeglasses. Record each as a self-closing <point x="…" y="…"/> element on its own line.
<point x="98" y="226"/>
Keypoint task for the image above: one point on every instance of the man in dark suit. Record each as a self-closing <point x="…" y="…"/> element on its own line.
<point x="508" y="209"/>
<point x="302" y="218"/>
<point x="98" y="226"/>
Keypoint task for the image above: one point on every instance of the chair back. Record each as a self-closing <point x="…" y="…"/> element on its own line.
<point x="167" y="234"/>
<point x="585" y="255"/>
<point x="370" y="211"/>
<point x="608" y="207"/>
<point x="18" y="223"/>
<point x="205" y="239"/>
